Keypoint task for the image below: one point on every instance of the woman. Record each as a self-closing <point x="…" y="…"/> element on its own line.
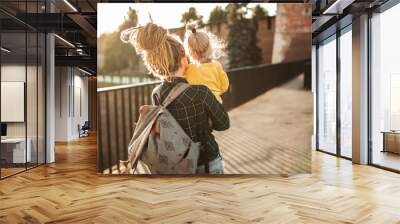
<point x="165" y="57"/>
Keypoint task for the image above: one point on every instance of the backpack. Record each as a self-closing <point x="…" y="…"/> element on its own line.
<point x="160" y="142"/>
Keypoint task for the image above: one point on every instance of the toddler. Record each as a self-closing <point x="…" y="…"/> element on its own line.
<point x="205" y="71"/>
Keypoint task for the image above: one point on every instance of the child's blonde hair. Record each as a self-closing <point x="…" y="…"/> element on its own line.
<point x="202" y="46"/>
<point x="161" y="52"/>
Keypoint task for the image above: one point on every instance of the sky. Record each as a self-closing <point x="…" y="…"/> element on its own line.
<point x="168" y="15"/>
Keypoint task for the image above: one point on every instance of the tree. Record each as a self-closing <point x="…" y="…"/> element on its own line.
<point x="236" y="12"/>
<point x="121" y="58"/>
<point x="191" y="16"/>
<point x="131" y="20"/>
<point x="116" y="54"/>
<point x="258" y="14"/>
<point x="217" y="15"/>
<point x="242" y="47"/>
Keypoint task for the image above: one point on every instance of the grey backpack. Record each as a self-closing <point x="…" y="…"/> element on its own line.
<point x="160" y="142"/>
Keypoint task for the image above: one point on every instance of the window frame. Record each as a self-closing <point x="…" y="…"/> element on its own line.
<point x="347" y="27"/>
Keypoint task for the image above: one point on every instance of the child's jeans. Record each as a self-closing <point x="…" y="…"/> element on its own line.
<point x="215" y="167"/>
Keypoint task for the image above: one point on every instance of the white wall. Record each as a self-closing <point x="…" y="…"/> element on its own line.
<point x="16" y="73"/>
<point x="33" y="127"/>
<point x="62" y="82"/>
<point x="80" y="93"/>
<point x="12" y="73"/>
<point x="71" y="87"/>
<point x="360" y="90"/>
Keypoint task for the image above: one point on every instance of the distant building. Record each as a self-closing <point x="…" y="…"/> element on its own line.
<point x="284" y="37"/>
<point x="265" y="35"/>
<point x="292" y="38"/>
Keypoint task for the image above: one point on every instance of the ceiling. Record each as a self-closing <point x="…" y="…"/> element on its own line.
<point x="332" y="15"/>
<point x="73" y="21"/>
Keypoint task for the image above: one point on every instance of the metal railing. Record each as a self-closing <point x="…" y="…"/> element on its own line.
<point x="246" y="83"/>
<point x="118" y="110"/>
<point x="118" y="107"/>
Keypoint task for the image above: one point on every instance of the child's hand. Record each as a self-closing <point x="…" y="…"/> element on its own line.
<point x="209" y="122"/>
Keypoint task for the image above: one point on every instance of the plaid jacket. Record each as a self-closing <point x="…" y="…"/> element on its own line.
<point x="191" y="110"/>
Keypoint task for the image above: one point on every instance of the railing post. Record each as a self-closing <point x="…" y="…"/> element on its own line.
<point x="125" y="141"/>
<point x="108" y="133"/>
<point x="112" y="100"/>
<point x="116" y="126"/>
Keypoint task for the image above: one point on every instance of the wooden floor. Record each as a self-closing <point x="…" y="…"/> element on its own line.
<point x="387" y="159"/>
<point x="70" y="191"/>
<point x="7" y="171"/>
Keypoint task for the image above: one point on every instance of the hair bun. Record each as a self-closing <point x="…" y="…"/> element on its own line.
<point x="192" y="27"/>
<point x="151" y="36"/>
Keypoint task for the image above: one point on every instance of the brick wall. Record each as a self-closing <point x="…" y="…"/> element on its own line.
<point x="292" y="39"/>
<point x="265" y="37"/>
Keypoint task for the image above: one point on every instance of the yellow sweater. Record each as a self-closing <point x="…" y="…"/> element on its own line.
<point x="210" y="74"/>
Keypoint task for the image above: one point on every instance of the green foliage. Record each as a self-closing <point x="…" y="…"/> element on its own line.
<point x="242" y="47"/>
<point x="120" y="58"/>
<point x="191" y="16"/>
<point x="258" y="14"/>
<point x="217" y="15"/>
<point x="236" y="12"/>
<point x="131" y="20"/>
<point x="117" y="55"/>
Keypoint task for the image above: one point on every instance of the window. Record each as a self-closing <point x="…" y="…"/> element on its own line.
<point x="327" y="95"/>
<point x="22" y="75"/>
<point x="329" y="112"/>
<point x="385" y="89"/>
<point x="346" y="92"/>
<point x="395" y="102"/>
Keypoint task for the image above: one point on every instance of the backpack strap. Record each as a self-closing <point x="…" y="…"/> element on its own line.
<point x="157" y="95"/>
<point x="174" y="93"/>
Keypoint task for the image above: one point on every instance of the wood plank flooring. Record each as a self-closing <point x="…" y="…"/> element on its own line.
<point x="11" y="170"/>
<point x="70" y="191"/>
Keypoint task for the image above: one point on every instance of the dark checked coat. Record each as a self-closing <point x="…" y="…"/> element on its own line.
<point x="191" y="110"/>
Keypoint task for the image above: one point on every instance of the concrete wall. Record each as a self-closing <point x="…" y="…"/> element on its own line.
<point x="71" y="102"/>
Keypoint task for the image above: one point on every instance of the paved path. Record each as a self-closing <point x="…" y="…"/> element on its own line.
<point x="270" y="134"/>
